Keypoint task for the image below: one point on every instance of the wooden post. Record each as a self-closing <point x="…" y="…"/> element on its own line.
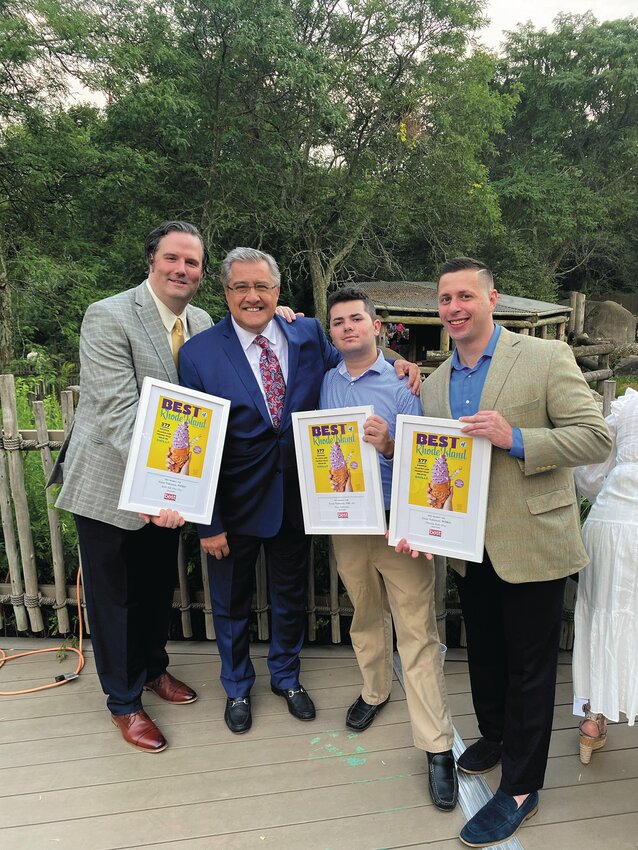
<point x="444" y="340"/>
<point x="560" y="330"/>
<point x="184" y="593"/>
<point x="335" y="622"/>
<point x="11" y="548"/>
<point x="208" y="611"/>
<point x="262" y="596"/>
<point x="609" y="394"/>
<point x="312" y="601"/>
<point x="57" y="550"/>
<point x="19" y="493"/>
<point x="68" y="411"/>
<point x="571" y="325"/>
<point x="542" y="331"/>
<point x="603" y="366"/>
<point x="440" y="587"/>
<point x="82" y="612"/>
<point x="579" y="312"/>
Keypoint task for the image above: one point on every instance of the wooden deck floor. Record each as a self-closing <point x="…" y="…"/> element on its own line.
<point x="67" y="780"/>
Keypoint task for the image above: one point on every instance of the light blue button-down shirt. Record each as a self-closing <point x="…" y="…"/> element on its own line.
<point x="466" y="386"/>
<point x="378" y="386"/>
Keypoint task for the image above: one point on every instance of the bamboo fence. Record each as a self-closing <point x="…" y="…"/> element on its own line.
<point x="26" y="596"/>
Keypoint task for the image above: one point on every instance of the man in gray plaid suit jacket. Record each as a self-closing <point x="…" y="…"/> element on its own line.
<point x="128" y="567"/>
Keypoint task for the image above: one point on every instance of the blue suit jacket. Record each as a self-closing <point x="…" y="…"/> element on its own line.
<point x="258" y="481"/>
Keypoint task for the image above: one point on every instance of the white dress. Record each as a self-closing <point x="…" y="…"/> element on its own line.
<point x="605" y="658"/>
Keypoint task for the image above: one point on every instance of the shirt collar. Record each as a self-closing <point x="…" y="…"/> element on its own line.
<point x="488" y="352"/>
<point x="166" y="315"/>
<point x="246" y="338"/>
<point x="377" y="366"/>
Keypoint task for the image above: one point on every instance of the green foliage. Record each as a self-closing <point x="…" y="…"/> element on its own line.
<point x="564" y="171"/>
<point x="350" y="140"/>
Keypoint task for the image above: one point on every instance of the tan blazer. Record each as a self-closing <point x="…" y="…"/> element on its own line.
<point x="533" y="529"/>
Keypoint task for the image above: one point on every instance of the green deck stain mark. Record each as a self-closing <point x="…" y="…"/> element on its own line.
<point x="323" y="749"/>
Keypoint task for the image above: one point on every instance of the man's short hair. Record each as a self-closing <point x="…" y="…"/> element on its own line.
<point x="155" y="236"/>
<point x="249" y="255"/>
<point x="349" y="293"/>
<point x="460" y="264"/>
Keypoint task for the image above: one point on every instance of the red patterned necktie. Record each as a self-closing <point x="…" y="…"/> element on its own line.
<point x="272" y="378"/>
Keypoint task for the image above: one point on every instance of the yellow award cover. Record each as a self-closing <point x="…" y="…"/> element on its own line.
<point x="440" y="471"/>
<point x="336" y="457"/>
<point x="180" y="435"/>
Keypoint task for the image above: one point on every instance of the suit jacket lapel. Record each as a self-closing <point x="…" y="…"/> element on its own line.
<point x="441" y="390"/>
<point x="239" y="362"/>
<point x="196" y="322"/>
<point x="155" y="330"/>
<point x="505" y="355"/>
<point x="292" y="336"/>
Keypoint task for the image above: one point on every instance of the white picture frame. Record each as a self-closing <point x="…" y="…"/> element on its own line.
<point x="439" y="505"/>
<point x="176" y="451"/>
<point x="355" y="463"/>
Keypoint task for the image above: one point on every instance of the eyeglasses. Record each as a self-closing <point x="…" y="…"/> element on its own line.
<point x="243" y="288"/>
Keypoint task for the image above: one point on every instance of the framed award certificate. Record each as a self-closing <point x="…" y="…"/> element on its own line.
<point x="440" y="484"/>
<point x="176" y="451"/>
<point x="339" y="475"/>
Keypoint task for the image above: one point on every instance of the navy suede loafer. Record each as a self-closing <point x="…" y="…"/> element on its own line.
<point x="442" y="780"/>
<point x="361" y="714"/>
<point x="299" y="703"/>
<point x="498" y="820"/>
<point x="480" y="757"/>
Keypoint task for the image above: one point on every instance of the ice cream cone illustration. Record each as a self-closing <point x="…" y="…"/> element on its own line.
<point x="179" y="452"/>
<point x="338" y="468"/>
<point x="440" y="483"/>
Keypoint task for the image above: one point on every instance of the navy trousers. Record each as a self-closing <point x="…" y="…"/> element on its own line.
<point x="231" y="586"/>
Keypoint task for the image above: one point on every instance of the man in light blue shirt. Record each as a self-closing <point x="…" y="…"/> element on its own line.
<point x="383" y="585"/>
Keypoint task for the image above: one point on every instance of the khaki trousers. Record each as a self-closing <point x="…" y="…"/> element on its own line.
<point x="385" y="586"/>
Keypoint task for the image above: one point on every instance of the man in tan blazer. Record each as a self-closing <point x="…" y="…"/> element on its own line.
<point x="526" y="396"/>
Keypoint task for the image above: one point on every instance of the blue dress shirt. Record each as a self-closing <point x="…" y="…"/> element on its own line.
<point x="378" y="386"/>
<point x="466" y="387"/>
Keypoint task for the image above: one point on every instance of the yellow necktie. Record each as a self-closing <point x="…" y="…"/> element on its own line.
<point x="177" y="339"/>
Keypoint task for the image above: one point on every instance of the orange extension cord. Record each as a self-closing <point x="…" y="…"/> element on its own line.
<point x="59" y="680"/>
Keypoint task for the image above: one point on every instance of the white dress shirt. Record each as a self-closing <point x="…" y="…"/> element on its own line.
<point x="276" y="340"/>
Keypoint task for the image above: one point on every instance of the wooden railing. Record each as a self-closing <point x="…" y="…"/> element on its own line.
<point x="27" y="596"/>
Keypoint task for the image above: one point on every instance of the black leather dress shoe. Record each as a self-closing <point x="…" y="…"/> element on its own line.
<point x="442" y="780"/>
<point x="361" y="714"/>
<point x="299" y="703"/>
<point x="480" y="757"/>
<point x="237" y="715"/>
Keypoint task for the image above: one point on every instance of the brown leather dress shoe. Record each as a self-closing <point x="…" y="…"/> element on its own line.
<point x="171" y="689"/>
<point x="140" y="732"/>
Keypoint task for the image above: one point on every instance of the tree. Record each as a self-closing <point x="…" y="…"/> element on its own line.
<point x="565" y="170"/>
<point x="38" y="51"/>
<point x="307" y="126"/>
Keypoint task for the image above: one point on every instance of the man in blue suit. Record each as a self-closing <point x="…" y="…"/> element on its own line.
<point x="258" y="499"/>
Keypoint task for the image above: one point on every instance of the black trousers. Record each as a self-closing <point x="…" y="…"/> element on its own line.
<point x="512" y="648"/>
<point x="128" y="579"/>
